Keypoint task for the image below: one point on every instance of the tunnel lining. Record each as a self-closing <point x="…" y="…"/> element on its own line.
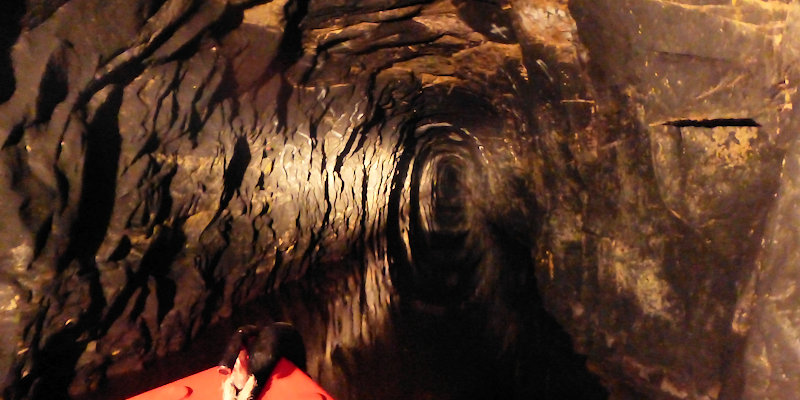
<point x="439" y="255"/>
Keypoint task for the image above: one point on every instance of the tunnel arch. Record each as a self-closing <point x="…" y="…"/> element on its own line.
<point x="436" y="247"/>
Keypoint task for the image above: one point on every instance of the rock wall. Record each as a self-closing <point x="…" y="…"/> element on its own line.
<point x="617" y="165"/>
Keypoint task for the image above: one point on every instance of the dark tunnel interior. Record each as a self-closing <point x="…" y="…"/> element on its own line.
<point x="449" y="199"/>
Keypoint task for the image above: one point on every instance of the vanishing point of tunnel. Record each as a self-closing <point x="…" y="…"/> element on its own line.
<point x="449" y="199"/>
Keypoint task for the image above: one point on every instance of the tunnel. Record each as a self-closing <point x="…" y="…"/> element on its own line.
<point x="449" y="199"/>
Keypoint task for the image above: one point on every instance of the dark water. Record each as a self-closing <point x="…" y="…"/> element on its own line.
<point x="431" y="351"/>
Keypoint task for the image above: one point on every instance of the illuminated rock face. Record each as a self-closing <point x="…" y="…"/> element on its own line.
<point x="369" y="170"/>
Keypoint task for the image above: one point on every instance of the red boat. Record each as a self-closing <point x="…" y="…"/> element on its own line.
<point x="285" y="381"/>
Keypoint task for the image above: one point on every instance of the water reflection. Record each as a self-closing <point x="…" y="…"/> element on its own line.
<point x="429" y="353"/>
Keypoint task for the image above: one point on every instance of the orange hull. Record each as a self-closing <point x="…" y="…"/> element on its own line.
<point x="286" y="383"/>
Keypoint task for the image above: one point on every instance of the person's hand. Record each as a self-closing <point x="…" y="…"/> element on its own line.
<point x="240" y="383"/>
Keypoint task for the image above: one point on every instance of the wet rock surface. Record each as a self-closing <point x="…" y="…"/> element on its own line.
<point x="429" y="190"/>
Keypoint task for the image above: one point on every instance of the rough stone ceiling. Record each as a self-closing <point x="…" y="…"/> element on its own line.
<point x="625" y="169"/>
